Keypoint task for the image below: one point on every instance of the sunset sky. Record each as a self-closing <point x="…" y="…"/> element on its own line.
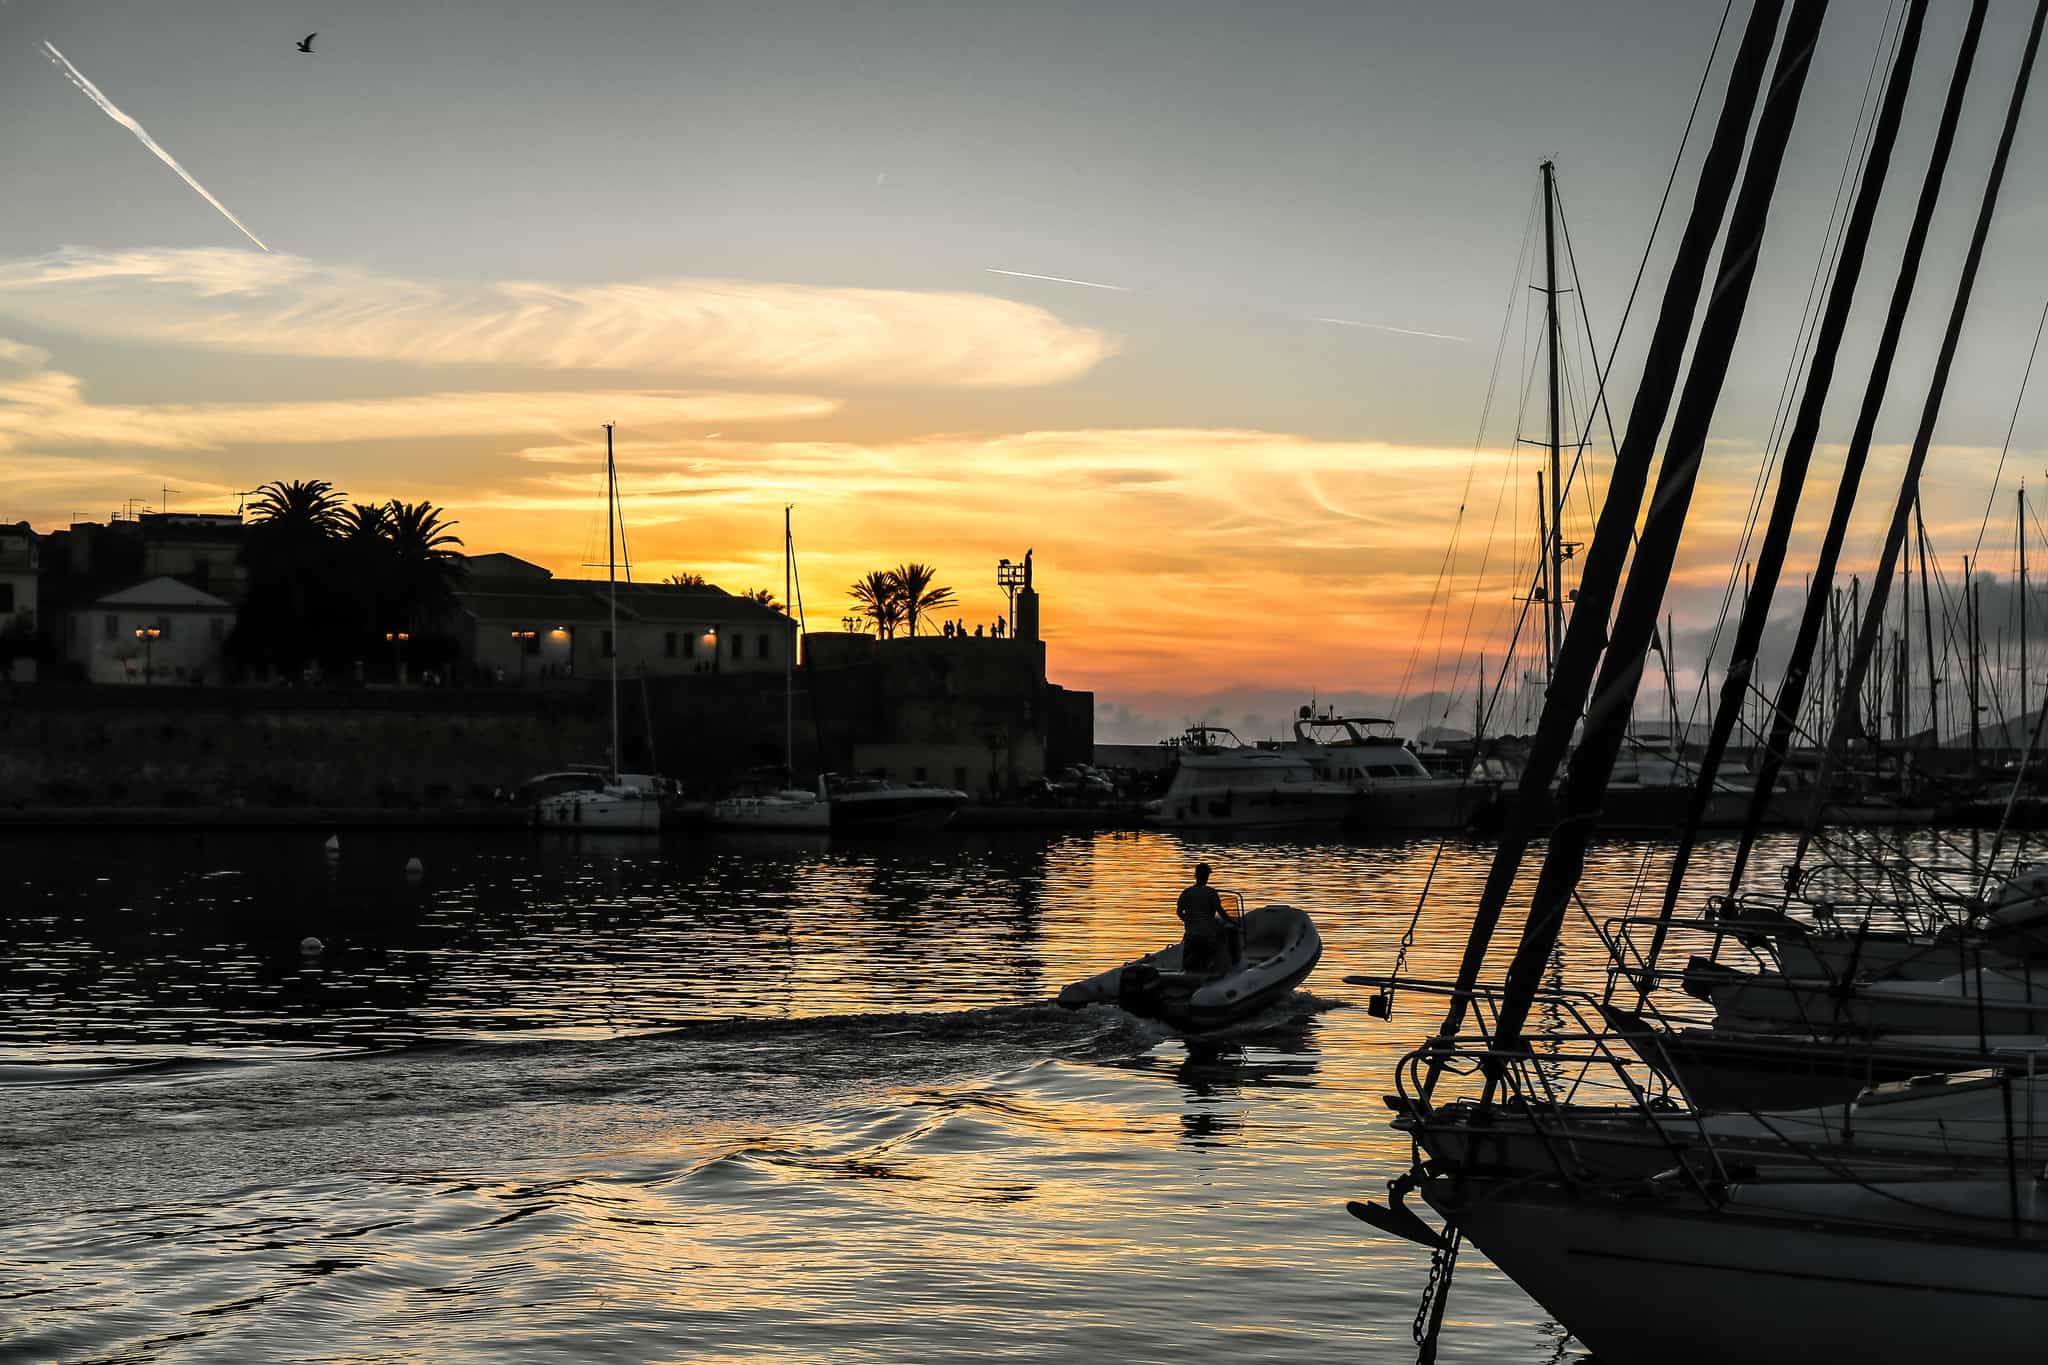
<point x="773" y="242"/>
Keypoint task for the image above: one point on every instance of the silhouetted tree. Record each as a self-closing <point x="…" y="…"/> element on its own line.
<point x="308" y="511"/>
<point x="879" y="602"/>
<point x="685" y="580"/>
<point x="300" y="606"/>
<point x="918" y="593"/>
<point x="363" y="523"/>
<point x="425" y="568"/>
<point x="364" y="531"/>
<point x="765" y="596"/>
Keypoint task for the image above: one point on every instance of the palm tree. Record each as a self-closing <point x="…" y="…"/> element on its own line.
<point x="293" y="612"/>
<point x="685" y="580"/>
<point x="302" y="510"/>
<point x="876" y="596"/>
<point x="364" y="559"/>
<point x="765" y="596"/>
<point x="424" y="566"/>
<point x="917" y="592"/>
<point x="362" y="523"/>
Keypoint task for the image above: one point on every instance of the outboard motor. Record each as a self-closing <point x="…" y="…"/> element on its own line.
<point x="1138" y="989"/>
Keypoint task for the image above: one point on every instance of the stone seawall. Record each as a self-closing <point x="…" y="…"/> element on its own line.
<point x="234" y="749"/>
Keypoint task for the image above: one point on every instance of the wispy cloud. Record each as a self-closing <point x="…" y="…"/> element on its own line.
<point x="1385" y="327"/>
<point x="1057" y="279"/>
<point x="118" y="115"/>
<point x="287" y="305"/>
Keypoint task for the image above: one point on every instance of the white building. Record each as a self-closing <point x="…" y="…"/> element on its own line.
<point x="159" y="631"/>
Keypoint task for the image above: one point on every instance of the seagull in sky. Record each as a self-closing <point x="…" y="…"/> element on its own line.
<point x="306" y="43"/>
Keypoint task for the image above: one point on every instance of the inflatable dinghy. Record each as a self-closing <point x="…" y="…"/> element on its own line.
<point x="1281" y="947"/>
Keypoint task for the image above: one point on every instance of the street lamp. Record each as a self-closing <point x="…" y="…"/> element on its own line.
<point x="148" y="634"/>
<point x="1010" y="577"/>
<point x="397" y="639"/>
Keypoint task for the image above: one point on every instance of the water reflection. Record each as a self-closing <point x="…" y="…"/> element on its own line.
<point x="729" y="1098"/>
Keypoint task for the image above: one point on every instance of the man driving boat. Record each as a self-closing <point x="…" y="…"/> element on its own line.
<point x="1209" y="941"/>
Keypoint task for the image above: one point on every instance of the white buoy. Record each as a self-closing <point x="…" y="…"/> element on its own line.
<point x="311" y="947"/>
<point x="414" y="868"/>
<point x="334" y="845"/>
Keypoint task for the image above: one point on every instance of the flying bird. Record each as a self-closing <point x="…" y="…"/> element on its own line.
<point x="306" y="43"/>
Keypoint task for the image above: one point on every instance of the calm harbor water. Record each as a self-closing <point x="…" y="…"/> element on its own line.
<point x="744" y="1100"/>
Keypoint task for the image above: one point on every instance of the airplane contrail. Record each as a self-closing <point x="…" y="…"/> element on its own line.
<point x="1383" y="327"/>
<point x="1057" y="279"/>
<point x="114" y="112"/>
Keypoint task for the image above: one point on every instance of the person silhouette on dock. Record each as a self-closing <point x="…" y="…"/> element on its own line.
<point x="1207" y="944"/>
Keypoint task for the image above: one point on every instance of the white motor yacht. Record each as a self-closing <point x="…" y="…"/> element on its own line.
<point x="1395" y="789"/>
<point x="1223" y="783"/>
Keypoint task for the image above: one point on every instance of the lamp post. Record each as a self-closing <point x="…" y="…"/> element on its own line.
<point x="148" y="634"/>
<point x="398" y="639"/>
<point x="1010" y="577"/>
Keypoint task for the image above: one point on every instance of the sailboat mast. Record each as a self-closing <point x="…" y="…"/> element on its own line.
<point x="1972" y="599"/>
<point x="611" y="574"/>
<point x="788" y="658"/>
<point x="2020" y="539"/>
<point x="1600" y="574"/>
<point x="1550" y="637"/>
<point x="1927" y="635"/>
<point x="1553" y="547"/>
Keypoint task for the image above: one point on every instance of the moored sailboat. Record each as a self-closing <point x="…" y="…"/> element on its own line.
<point x="621" y="802"/>
<point x="1761" y="1237"/>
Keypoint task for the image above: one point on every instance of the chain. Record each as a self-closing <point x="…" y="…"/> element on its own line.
<point x="1429" y="1314"/>
<point x="1429" y="1292"/>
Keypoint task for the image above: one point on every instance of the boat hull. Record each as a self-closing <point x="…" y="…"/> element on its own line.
<point x="599" y="813"/>
<point x="1281" y="948"/>
<point x="1986" y="1003"/>
<point x="1253" y="808"/>
<point x="1669" y="1282"/>
<point x="899" y="810"/>
<point x="770" y="813"/>
<point x="1450" y="804"/>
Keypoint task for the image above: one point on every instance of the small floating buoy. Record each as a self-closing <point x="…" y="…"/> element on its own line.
<point x="334" y="845"/>
<point x="414" y="868"/>
<point x="311" y="947"/>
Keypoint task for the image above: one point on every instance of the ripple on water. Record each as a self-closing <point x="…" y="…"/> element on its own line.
<point x="704" y="1102"/>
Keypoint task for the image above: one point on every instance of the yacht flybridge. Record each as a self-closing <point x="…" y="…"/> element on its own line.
<point x="1223" y="783"/>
